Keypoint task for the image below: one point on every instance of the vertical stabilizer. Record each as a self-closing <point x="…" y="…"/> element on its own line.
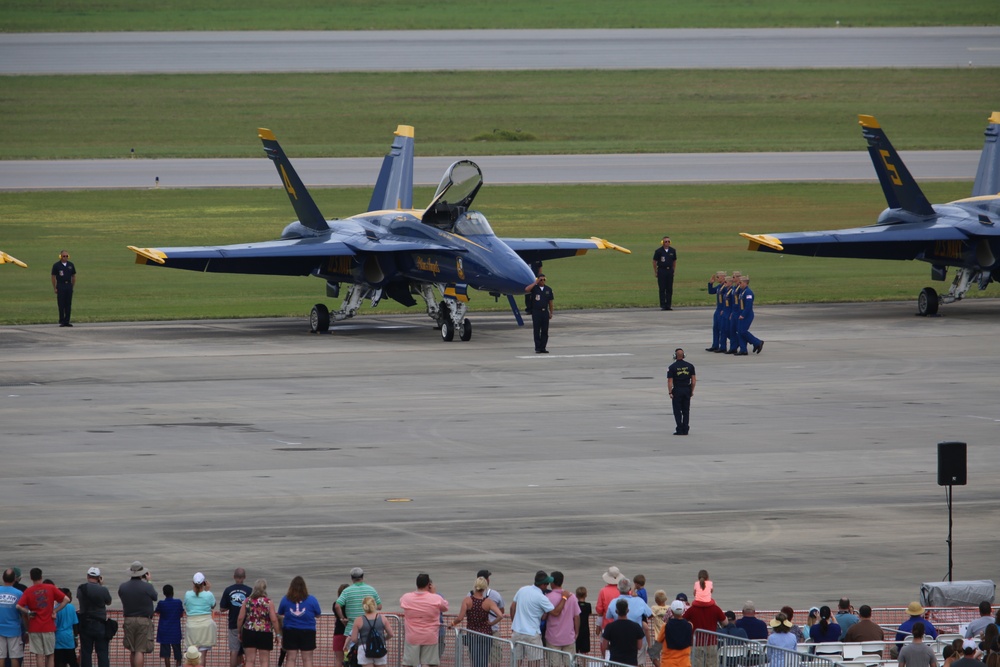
<point x="988" y="174"/>
<point x="901" y="190"/>
<point x="302" y="201"/>
<point x="394" y="188"/>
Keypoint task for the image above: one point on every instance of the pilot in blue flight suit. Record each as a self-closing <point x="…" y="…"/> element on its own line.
<point x="715" y="286"/>
<point x="734" y="316"/>
<point x="728" y="306"/>
<point x="746" y="319"/>
<point x="541" y="311"/>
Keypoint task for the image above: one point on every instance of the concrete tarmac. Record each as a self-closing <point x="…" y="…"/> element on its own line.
<point x="810" y="471"/>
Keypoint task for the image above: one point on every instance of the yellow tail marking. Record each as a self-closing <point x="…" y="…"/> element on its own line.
<point x="404" y="131"/>
<point x="868" y="121"/>
<point x="288" y="185"/>
<point x="10" y="259"/>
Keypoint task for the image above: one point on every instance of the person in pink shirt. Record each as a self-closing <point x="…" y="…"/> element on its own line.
<point x="422" y="611"/>
<point x="561" y="630"/>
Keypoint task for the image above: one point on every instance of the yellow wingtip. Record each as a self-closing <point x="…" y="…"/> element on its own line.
<point x="604" y="244"/>
<point x="151" y="254"/>
<point x="266" y="134"/>
<point x="10" y="259"/>
<point x="757" y="240"/>
<point x="868" y="121"/>
<point x="404" y="131"/>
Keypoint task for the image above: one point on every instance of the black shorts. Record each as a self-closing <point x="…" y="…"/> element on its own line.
<point x="299" y="640"/>
<point x="262" y="641"/>
<point x="166" y="648"/>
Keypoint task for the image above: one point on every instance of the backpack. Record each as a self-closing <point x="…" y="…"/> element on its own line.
<point x="375" y="645"/>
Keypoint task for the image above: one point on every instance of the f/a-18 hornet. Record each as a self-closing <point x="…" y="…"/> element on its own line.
<point x="391" y="250"/>
<point x="962" y="234"/>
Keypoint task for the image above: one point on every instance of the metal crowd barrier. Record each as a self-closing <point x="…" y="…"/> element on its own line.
<point x="712" y="649"/>
<point x="476" y="649"/>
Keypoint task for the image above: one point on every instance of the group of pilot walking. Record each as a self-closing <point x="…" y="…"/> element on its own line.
<point x="733" y="315"/>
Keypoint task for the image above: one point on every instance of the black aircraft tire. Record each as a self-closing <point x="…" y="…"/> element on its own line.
<point x="319" y="319"/>
<point x="466" y="334"/>
<point x="447" y="331"/>
<point x="927" y="302"/>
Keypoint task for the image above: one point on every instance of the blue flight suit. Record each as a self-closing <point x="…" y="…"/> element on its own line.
<point x="745" y="320"/>
<point x="716" y="289"/>
<point x="728" y="306"/>
<point x="734" y="318"/>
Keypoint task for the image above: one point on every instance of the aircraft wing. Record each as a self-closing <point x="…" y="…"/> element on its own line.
<point x="892" y="241"/>
<point x="533" y="250"/>
<point x="297" y="257"/>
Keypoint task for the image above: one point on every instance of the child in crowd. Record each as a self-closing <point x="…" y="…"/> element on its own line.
<point x="703" y="587"/>
<point x="168" y="627"/>
<point x="660" y="611"/>
<point x="66" y="629"/>
<point x="640" y="587"/>
<point x="583" y="637"/>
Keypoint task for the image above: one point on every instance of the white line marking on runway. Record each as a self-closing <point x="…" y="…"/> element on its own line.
<point x="989" y="419"/>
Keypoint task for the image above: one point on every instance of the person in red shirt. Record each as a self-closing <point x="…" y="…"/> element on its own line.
<point x="606" y="595"/>
<point x="39" y="604"/>
<point x="705" y="616"/>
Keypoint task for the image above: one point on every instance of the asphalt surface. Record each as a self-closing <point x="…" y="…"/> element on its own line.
<point x="810" y="471"/>
<point x="201" y="52"/>
<point x="853" y="166"/>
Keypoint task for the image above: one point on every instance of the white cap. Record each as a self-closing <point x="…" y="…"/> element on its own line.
<point x="677" y="606"/>
<point x="94" y="572"/>
<point x="199" y="578"/>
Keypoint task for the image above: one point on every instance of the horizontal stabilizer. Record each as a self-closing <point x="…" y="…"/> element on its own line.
<point x="757" y="240"/>
<point x="988" y="173"/>
<point x="900" y="188"/>
<point x="302" y="201"/>
<point x="10" y="259"/>
<point x="394" y="187"/>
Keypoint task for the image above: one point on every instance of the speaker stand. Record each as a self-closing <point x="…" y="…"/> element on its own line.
<point x="950" y="563"/>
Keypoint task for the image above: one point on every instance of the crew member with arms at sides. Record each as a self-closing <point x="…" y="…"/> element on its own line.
<point x="664" y="265"/>
<point x="541" y="311"/>
<point x="715" y="286"/>
<point x="680" y="385"/>
<point x="63" y="282"/>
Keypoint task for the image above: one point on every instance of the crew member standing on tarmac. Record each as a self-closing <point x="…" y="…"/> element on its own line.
<point x="746" y="319"/>
<point x="727" y="311"/>
<point x="734" y="316"/>
<point x="715" y="285"/>
<point x="680" y="386"/>
<point x="664" y="265"/>
<point x="536" y="268"/>
<point x="63" y="282"/>
<point x="541" y="311"/>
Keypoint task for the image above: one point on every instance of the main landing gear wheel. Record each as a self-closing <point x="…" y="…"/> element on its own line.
<point x="447" y="331"/>
<point x="466" y="330"/>
<point x="319" y="319"/>
<point x="927" y="302"/>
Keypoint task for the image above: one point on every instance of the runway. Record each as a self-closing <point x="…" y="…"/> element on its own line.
<point x="381" y="50"/>
<point x="849" y="166"/>
<point x="809" y="473"/>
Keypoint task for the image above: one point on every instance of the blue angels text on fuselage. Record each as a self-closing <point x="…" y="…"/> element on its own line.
<point x="391" y="250"/>
<point x="963" y="234"/>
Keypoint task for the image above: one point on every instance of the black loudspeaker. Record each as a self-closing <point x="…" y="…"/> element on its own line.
<point x="951" y="464"/>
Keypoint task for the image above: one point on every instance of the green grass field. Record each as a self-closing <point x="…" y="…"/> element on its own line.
<point x="455" y="113"/>
<point x="703" y="222"/>
<point x="128" y="15"/>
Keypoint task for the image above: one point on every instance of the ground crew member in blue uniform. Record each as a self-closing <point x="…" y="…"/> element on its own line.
<point x="63" y="282"/>
<point x="715" y="285"/>
<point x="680" y="385"/>
<point x="728" y="306"/>
<point x="734" y="316"/>
<point x="664" y="265"/>
<point x="746" y="319"/>
<point x="541" y="311"/>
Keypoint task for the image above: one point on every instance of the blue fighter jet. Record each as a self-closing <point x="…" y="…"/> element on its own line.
<point x="392" y="250"/>
<point x="963" y="234"/>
